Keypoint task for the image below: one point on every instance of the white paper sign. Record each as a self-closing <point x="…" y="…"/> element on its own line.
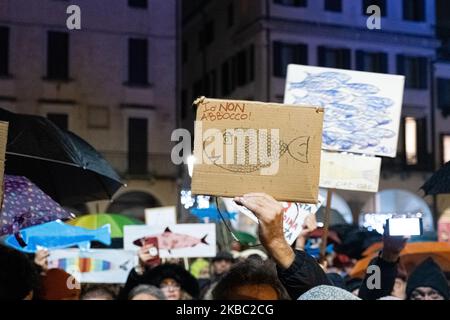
<point x="362" y="109"/>
<point x="294" y="215"/>
<point x="349" y="172"/>
<point x="175" y="241"/>
<point x="94" y="266"/>
<point x="160" y="216"/>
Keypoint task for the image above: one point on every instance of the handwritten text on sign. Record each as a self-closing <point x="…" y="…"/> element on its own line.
<point x="225" y="111"/>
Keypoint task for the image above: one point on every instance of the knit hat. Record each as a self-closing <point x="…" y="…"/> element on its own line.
<point x="186" y="280"/>
<point x="327" y="293"/>
<point x="428" y="274"/>
<point x="223" y="255"/>
<point x="57" y="284"/>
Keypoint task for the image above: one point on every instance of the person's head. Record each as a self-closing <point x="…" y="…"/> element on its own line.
<point x="171" y="288"/>
<point x="146" y="292"/>
<point x="399" y="289"/>
<point x="175" y="282"/>
<point x="250" y="280"/>
<point x="18" y="275"/>
<point x="222" y="263"/>
<point x="324" y="292"/>
<point x="97" y="292"/>
<point x="427" y="282"/>
<point x="57" y="284"/>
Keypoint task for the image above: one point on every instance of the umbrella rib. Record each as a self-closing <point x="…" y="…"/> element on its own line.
<point x="42" y="158"/>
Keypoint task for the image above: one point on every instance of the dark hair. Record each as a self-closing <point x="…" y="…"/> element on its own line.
<point x="249" y="272"/>
<point x="18" y="275"/>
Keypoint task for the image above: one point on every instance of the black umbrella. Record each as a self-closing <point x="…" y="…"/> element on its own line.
<point x="439" y="181"/>
<point x="62" y="164"/>
<point x="354" y="240"/>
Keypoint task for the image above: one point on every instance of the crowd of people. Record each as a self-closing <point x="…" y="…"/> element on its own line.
<point x="278" y="271"/>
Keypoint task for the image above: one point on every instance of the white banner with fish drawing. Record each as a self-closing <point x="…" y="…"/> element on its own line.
<point x="175" y="241"/>
<point x="293" y="219"/>
<point x="349" y="172"/>
<point x="362" y="109"/>
<point x="95" y="265"/>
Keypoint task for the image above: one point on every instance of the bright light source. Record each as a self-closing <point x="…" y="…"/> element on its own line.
<point x="190" y="164"/>
<point x="446" y="148"/>
<point x="411" y="140"/>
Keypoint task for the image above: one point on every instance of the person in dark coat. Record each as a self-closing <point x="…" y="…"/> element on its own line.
<point x="427" y="282"/>
<point x="388" y="264"/>
<point x="221" y="264"/>
<point x="297" y="271"/>
<point x="172" y="279"/>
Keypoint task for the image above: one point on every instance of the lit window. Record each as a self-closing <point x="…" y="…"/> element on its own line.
<point x="446" y="148"/>
<point x="411" y="141"/>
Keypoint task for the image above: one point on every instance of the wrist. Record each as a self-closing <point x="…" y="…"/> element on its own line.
<point x="281" y="252"/>
<point x="389" y="256"/>
<point x="139" y="269"/>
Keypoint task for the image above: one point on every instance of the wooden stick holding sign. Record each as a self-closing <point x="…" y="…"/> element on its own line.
<point x="3" y="141"/>
<point x="326" y="226"/>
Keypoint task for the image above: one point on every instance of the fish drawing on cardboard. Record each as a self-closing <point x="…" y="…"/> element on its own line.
<point x="297" y="149"/>
<point x="248" y="146"/>
<point x="179" y="240"/>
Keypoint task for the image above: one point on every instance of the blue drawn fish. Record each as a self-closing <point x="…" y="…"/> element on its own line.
<point x="212" y="214"/>
<point x="57" y="235"/>
<point x="362" y="88"/>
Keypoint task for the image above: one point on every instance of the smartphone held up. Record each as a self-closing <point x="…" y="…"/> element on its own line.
<point x="405" y="225"/>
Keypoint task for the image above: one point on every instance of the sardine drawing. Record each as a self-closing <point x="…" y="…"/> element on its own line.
<point x="263" y="144"/>
<point x="169" y="240"/>
<point x="57" y="235"/>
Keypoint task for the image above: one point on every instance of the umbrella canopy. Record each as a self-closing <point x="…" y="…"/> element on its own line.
<point x="244" y="237"/>
<point x="411" y="256"/>
<point x="62" y="164"/>
<point x="95" y="221"/>
<point x="354" y="240"/>
<point x="25" y="205"/>
<point x="439" y="181"/>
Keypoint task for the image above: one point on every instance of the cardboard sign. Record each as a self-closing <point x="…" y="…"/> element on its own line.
<point x="3" y="141"/>
<point x="362" y="109"/>
<point x="349" y="172"/>
<point x="246" y="146"/>
<point x="160" y="216"/>
<point x="94" y="266"/>
<point x="175" y="241"/>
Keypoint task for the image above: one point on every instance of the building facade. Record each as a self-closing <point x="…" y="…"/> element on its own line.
<point x="113" y="82"/>
<point x="240" y="49"/>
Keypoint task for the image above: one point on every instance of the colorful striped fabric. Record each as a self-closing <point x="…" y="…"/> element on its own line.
<point x="83" y="264"/>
